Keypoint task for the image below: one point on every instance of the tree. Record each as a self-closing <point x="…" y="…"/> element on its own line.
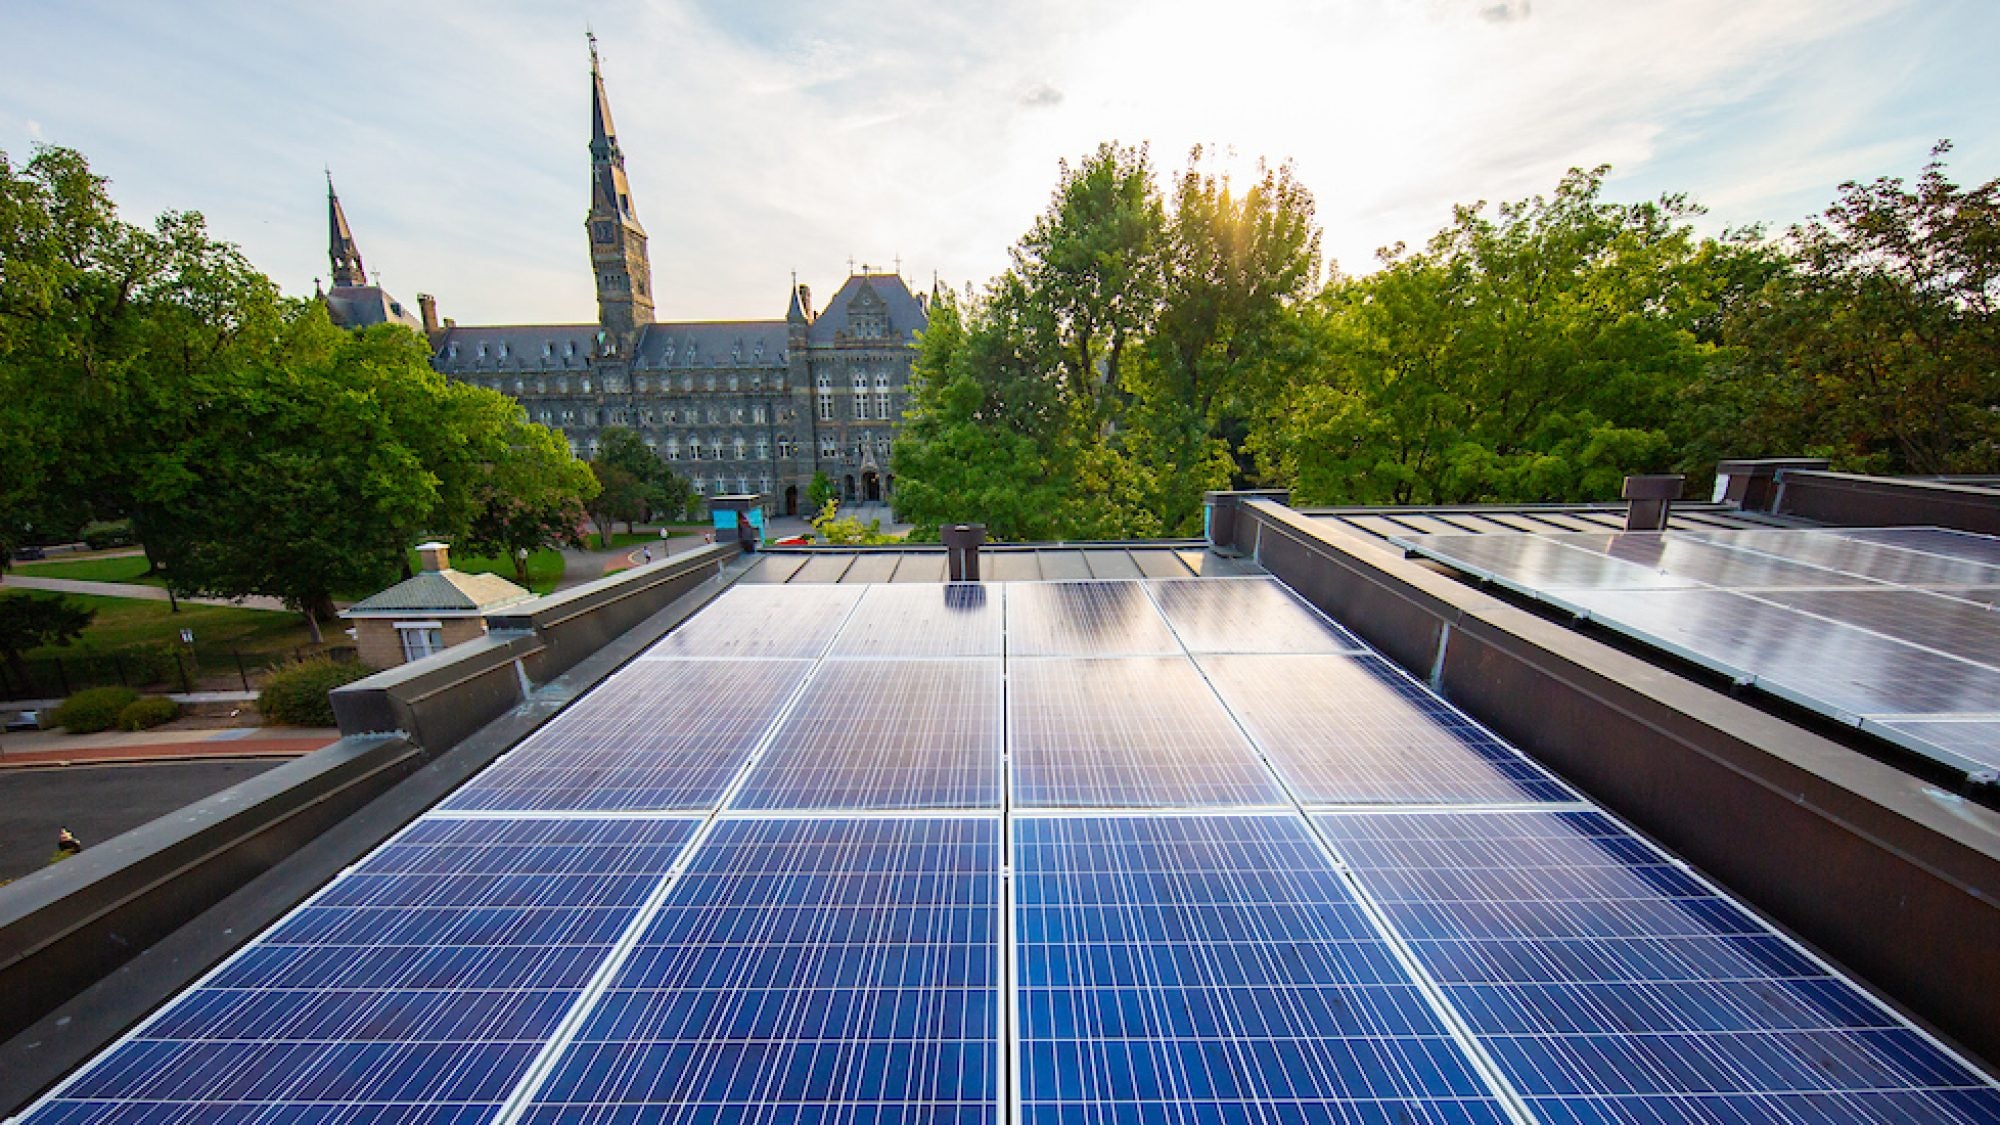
<point x="819" y="491"/>
<point x="1880" y="347"/>
<point x="620" y="496"/>
<point x="28" y="621"/>
<point x="530" y="493"/>
<point x="1539" y="353"/>
<point x="659" y="489"/>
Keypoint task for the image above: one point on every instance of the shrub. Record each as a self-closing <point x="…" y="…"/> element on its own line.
<point x="103" y="536"/>
<point x="93" y="709"/>
<point x="149" y="712"/>
<point x="295" y="695"/>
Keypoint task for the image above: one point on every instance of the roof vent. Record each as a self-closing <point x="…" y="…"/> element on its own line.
<point x="1651" y="497"/>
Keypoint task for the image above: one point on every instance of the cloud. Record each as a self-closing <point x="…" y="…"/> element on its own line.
<point x="1506" y="11"/>
<point x="1041" y="96"/>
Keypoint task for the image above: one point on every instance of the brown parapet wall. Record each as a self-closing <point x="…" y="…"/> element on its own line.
<point x="1893" y="877"/>
<point x="1851" y="500"/>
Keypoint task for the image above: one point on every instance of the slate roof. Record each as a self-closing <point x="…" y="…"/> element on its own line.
<point x="440" y="591"/>
<point x="360" y="306"/>
<point x="717" y="343"/>
<point x="906" y="313"/>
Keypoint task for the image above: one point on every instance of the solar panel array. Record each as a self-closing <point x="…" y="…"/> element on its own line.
<point x="1057" y="853"/>
<point x="1892" y="630"/>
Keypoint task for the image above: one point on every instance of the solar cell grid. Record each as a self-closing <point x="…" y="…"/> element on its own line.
<point x="659" y="735"/>
<point x="1136" y="732"/>
<point x="1354" y="729"/>
<point x="761" y="621"/>
<point x="1610" y="985"/>
<point x="1194" y="968"/>
<point x="886" y="734"/>
<point x="1085" y="619"/>
<point x="947" y="619"/>
<point x="1245" y="615"/>
<point x="1537" y="562"/>
<point x="418" y="987"/>
<point x="805" y="970"/>
<point x="1884" y="562"/>
<point x="1962" y="628"/>
<point x="1710" y="564"/>
<point x="1934" y="540"/>
<point x="1973" y="741"/>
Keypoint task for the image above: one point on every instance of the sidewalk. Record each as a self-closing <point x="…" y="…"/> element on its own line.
<point x="57" y="748"/>
<point x="130" y="590"/>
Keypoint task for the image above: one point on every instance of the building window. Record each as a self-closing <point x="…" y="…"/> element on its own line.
<point x="673" y="449"/>
<point x="640" y="384"/>
<point x="757" y="414"/>
<point x="826" y="408"/>
<point x="420" y="638"/>
<point x="738" y="444"/>
<point x="708" y="383"/>
<point x="785" y="448"/>
<point x="586" y="384"/>
<point x="763" y="449"/>
<point x="700" y="486"/>
<point x="828" y="450"/>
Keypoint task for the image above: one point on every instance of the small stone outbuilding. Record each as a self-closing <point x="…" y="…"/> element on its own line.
<point x="438" y="608"/>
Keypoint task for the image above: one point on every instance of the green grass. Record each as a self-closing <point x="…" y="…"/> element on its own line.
<point x="123" y="623"/>
<point x="119" y="568"/>
<point x="545" y="567"/>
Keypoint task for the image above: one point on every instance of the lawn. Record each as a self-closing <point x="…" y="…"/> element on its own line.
<point x="117" y="568"/>
<point x="130" y="623"/>
<point x="545" y="567"/>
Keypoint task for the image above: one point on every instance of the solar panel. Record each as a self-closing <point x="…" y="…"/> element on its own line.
<point x="1611" y="985"/>
<point x="1138" y="732"/>
<point x="955" y="619"/>
<point x="1533" y="563"/>
<point x="1354" y="730"/>
<point x="1246" y="615"/>
<point x="1845" y="671"/>
<point x="761" y="621"/>
<point x="824" y="970"/>
<point x="1085" y="619"/>
<point x="1710" y="564"/>
<point x="1970" y="630"/>
<point x="1214" y="969"/>
<point x="666" y="734"/>
<point x="417" y="987"/>
<point x="1935" y="540"/>
<point x="886" y="734"/>
<point x="1972" y="741"/>
<point x="1882" y="561"/>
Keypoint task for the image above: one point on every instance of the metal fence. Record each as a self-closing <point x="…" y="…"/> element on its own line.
<point x="161" y="669"/>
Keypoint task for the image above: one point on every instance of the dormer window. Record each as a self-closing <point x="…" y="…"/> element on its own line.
<point x="570" y="350"/>
<point x="482" y="351"/>
<point x="503" y="349"/>
<point x="667" y="357"/>
<point x="732" y="380"/>
<point x="453" y="350"/>
<point x="548" y="349"/>
<point x="708" y="383"/>
<point x="586" y="384"/>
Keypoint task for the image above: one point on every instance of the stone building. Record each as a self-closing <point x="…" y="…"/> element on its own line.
<point x="735" y="406"/>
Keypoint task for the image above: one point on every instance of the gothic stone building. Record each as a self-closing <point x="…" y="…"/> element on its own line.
<point x="735" y="406"/>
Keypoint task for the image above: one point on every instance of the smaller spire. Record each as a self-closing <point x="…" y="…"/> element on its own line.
<point x="797" y="313"/>
<point x="603" y="134"/>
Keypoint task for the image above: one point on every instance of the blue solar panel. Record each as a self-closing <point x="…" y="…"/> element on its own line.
<point x="418" y="987"/>
<point x="1130" y="733"/>
<point x="667" y="734"/>
<point x="1355" y="730"/>
<point x="886" y="734"/>
<point x="1085" y="619"/>
<point x="1884" y="561"/>
<point x="1245" y="615"/>
<point x="1533" y="563"/>
<point x="805" y="970"/>
<point x="1212" y="969"/>
<point x="761" y="621"/>
<point x="1611" y="985"/>
<point x="933" y="620"/>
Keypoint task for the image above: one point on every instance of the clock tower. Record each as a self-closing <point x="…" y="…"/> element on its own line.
<point x="617" y="241"/>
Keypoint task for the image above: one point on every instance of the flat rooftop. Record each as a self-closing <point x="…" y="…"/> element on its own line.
<point x="1039" y="850"/>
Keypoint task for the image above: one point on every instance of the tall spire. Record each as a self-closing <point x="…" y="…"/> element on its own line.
<point x="617" y="241"/>
<point x="341" y="248"/>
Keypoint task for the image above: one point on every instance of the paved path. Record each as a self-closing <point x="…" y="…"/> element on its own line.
<point x="131" y="590"/>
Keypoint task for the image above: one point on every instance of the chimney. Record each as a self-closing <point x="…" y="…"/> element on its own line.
<point x="961" y="547"/>
<point x="1652" y="497"/>
<point x="434" y="556"/>
<point x="428" y="306"/>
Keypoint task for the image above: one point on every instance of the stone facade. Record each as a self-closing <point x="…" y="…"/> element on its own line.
<point x="734" y="406"/>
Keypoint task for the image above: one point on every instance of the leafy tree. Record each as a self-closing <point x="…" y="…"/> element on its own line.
<point x="620" y="496"/>
<point x="1538" y="353"/>
<point x="1880" y="348"/>
<point x="819" y="491"/>
<point x="530" y="492"/>
<point x="849" y="531"/>
<point x="28" y="622"/>
<point x="661" y="489"/>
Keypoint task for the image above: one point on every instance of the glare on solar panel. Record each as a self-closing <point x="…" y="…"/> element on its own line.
<point x="761" y="621"/>
<point x="805" y="970"/>
<point x="664" y="734"/>
<point x="1354" y="729"/>
<point x="1973" y="741"/>
<point x="1882" y="561"/>
<point x="1533" y="563"/>
<point x="1245" y="615"/>
<point x="1611" y="985"/>
<point x="945" y="619"/>
<point x="886" y="734"/>
<point x="1202" y="968"/>
<point x="1710" y="564"/>
<point x="417" y="987"/>
<point x="1085" y="619"/>
<point x="1134" y="732"/>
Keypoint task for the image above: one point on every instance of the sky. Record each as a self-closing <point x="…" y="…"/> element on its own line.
<point x="767" y="139"/>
